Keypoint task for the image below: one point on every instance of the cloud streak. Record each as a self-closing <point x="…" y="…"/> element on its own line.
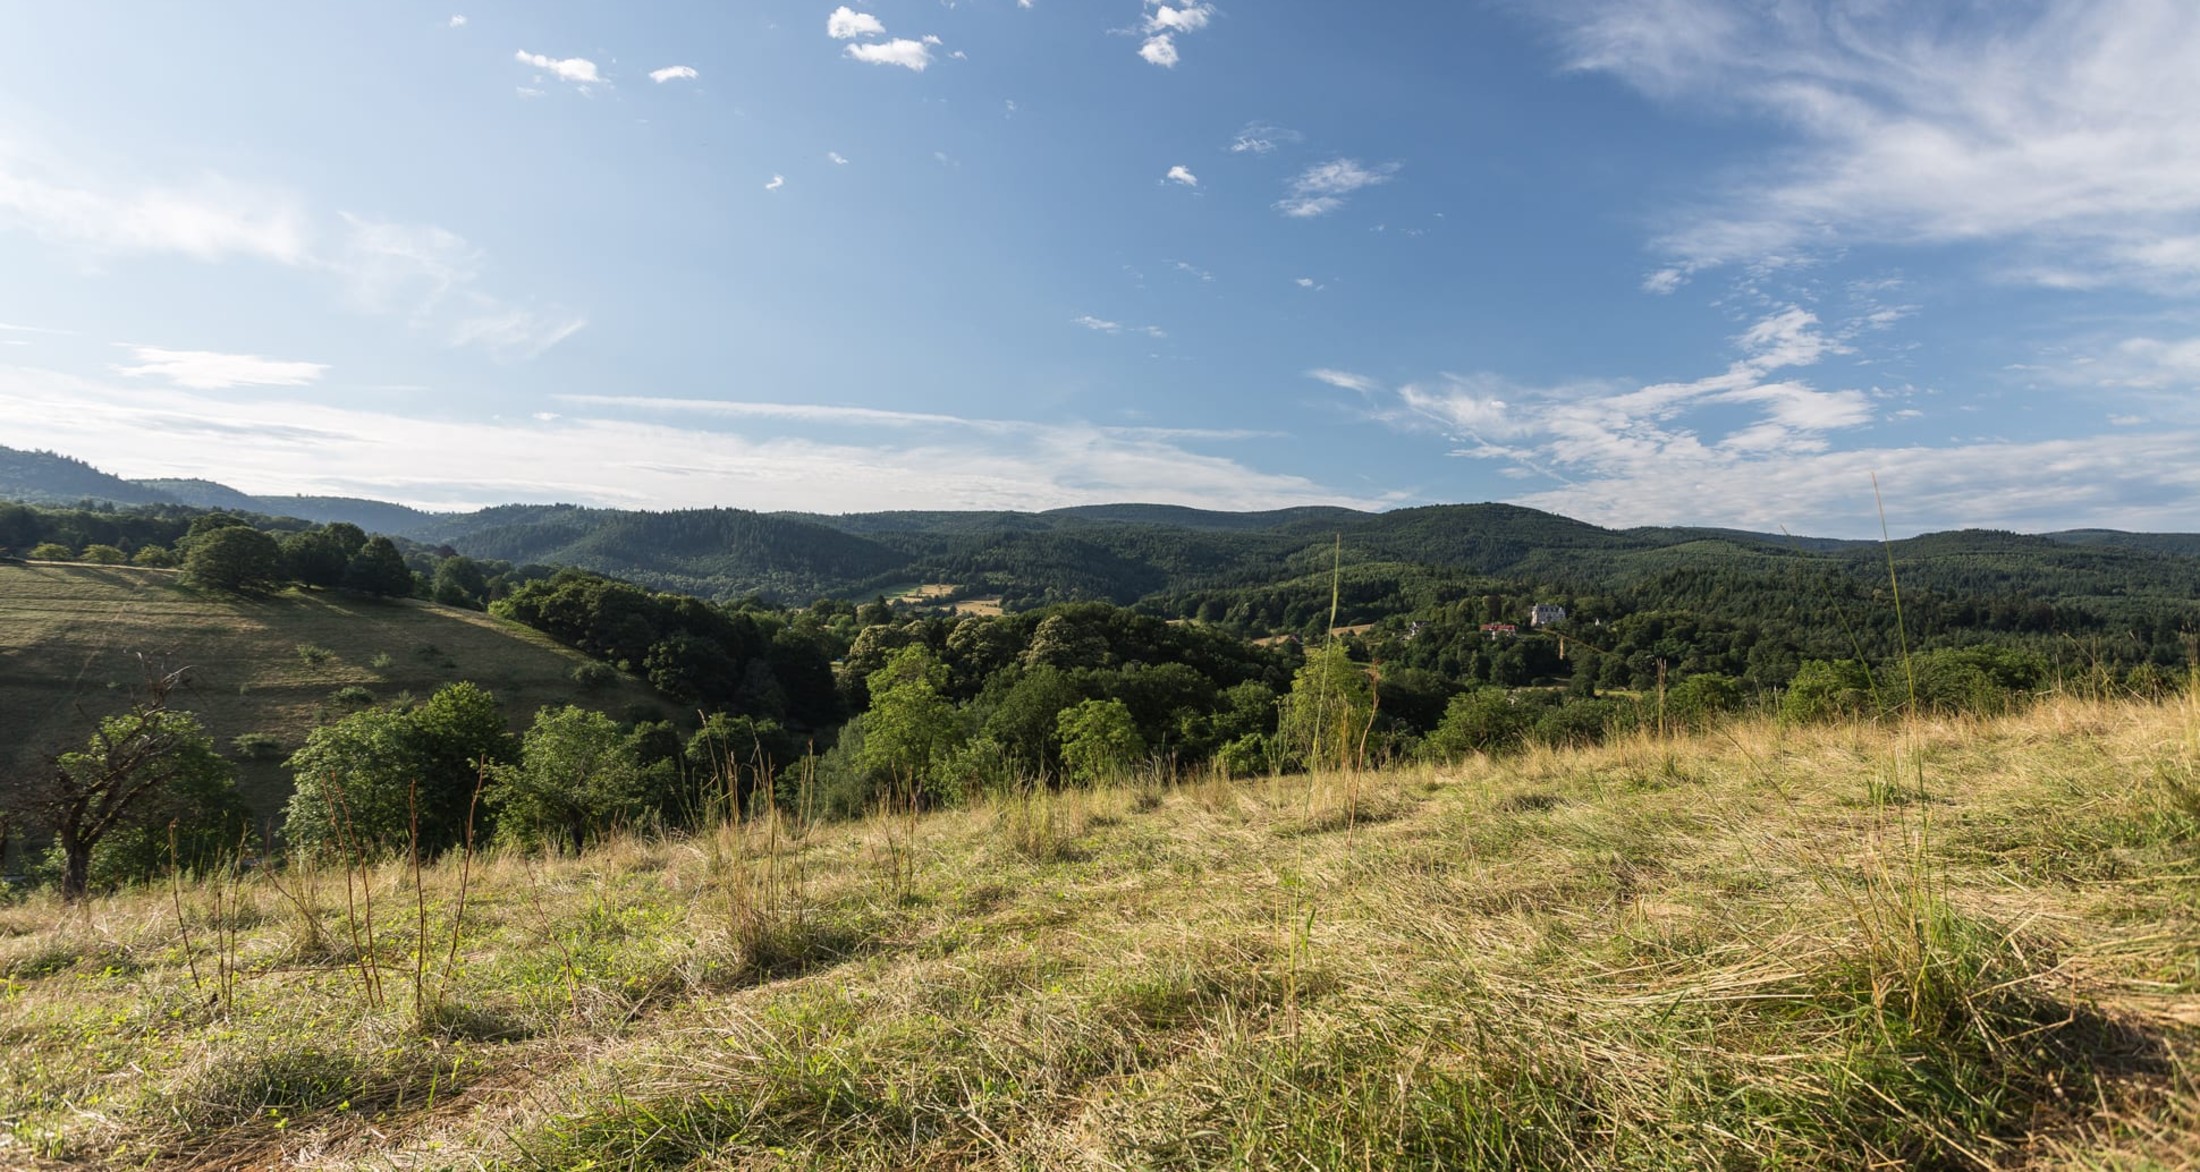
<point x="1324" y="187"/>
<point x="2060" y="128"/>
<point x="602" y="454"/>
<point x="424" y="273"/>
<point x="205" y="370"/>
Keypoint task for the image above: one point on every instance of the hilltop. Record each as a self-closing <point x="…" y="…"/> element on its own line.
<point x="1949" y="944"/>
<point x="272" y="665"/>
<point x="1158" y="555"/>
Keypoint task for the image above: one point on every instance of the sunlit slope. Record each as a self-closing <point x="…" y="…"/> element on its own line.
<point x="70" y="635"/>
<point x="1962" y="944"/>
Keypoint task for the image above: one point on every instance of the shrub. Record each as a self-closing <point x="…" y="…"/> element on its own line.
<point x="51" y="551"/>
<point x="312" y="654"/>
<point x="1486" y="720"/>
<point x="103" y="555"/>
<point x="1830" y="689"/>
<point x="352" y="695"/>
<point x="257" y="746"/>
<point x="593" y="676"/>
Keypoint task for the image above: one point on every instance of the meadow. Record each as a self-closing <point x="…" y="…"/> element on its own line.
<point x="275" y="665"/>
<point x="1963" y="943"/>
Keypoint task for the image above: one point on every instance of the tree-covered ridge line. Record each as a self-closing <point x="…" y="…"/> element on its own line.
<point x="1130" y="553"/>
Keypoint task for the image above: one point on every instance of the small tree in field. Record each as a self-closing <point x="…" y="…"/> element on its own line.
<point x="129" y="760"/>
<point x="576" y="777"/>
<point x="911" y="728"/>
<point x="1099" y="740"/>
<point x="362" y="780"/>
<point x="1327" y="712"/>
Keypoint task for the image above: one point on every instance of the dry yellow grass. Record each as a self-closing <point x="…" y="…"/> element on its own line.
<point x="1755" y="948"/>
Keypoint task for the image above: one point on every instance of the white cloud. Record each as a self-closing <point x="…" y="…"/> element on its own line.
<point x="457" y="22"/>
<point x="673" y="73"/>
<point x="1104" y="326"/>
<point x="1191" y="270"/>
<point x="421" y="272"/>
<point x="604" y="451"/>
<point x="1323" y="187"/>
<point x="510" y="332"/>
<point x="1345" y="380"/>
<point x="777" y="182"/>
<point x="929" y="39"/>
<point x="846" y="23"/>
<point x="1189" y="19"/>
<point x="1163" y="24"/>
<point x="1306" y="283"/>
<point x="211" y="218"/>
<point x="1750" y="446"/>
<point x="1182" y="174"/>
<point x="901" y="51"/>
<point x="1664" y="281"/>
<point x="2060" y="128"/>
<point x="578" y="70"/>
<point x="838" y="161"/>
<point x="429" y="275"/>
<point x="205" y="370"/>
<point x="1259" y="138"/>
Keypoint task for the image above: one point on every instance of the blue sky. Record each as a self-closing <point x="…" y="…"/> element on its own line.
<point x="1652" y="261"/>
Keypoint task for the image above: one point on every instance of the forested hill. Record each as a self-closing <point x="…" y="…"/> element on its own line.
<point x="1258" y="571"/>
<point x="48" y="478"/>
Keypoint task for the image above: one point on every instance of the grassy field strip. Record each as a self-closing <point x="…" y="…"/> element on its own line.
<point x="1721" y="951"/>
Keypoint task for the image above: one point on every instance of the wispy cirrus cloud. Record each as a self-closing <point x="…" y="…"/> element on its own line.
<point x="1260" y="138"/>
<point x="1101" y="325"/>
<point x="430" y="276"/>
<point x="207" y="217"/>
<point x="2059" y="129"/>
<point x="1324" y="187"/>
<point x="422" y="272"/>
<point x="610" y="451"/>
<point x="205" y="370"/>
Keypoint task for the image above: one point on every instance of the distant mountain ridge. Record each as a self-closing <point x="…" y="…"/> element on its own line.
<point x="49" y="478"/>
<point x="1128" y="552"/>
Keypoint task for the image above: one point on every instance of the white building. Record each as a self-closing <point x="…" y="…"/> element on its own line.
<point x="1543" y="614"/>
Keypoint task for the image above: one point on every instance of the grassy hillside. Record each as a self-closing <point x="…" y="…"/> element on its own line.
<point x="1955" y="945"/>
<point x="68" y="635"/>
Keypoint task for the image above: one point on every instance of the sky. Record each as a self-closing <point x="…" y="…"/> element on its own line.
<point x="1634" y="261"/>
